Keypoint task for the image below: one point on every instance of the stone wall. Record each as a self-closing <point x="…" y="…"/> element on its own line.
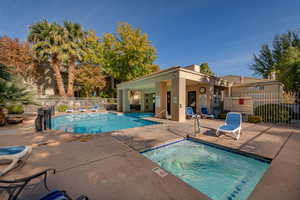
<point x="104" y="103"/>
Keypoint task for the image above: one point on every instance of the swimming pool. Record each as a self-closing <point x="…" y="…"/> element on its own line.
<point x="218" y="173"/>
<point x="92" y="123"/>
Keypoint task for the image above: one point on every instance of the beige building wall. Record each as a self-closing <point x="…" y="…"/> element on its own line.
<point x="233" y="104"/>
<point x="274" y="89"/>
<point x="242" y="79"/>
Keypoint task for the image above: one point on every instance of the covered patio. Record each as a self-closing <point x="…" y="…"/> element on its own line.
<point x="169" y="91"/>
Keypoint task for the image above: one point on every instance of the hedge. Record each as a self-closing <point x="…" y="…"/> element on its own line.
<point x="62" y="108"/>
<point x="15" y="109"/>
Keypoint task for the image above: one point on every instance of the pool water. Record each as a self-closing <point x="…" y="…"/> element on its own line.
<point x="92" y="123"/>
<point x="220" y="174"/>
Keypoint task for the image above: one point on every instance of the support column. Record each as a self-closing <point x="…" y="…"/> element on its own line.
<point x="119" y="101"/>
<point x="161" y="99"/>
<point x="125" y="101"/>
<point x="229" y="91"/>
<point x="142" y="99"/>
<point x="178" y="99"/>
<point x="210" y="95"/>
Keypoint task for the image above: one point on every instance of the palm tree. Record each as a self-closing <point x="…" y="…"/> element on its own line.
<point x="49" y="45"/>
<point x="75" y="39"/>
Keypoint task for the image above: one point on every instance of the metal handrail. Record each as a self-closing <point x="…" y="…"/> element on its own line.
<point x="164" y="110"/>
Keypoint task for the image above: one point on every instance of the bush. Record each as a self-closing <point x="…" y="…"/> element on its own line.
<point x="223" y="114"/>
<point x="15" y="109"/>
<point x="254" y="119"/>
<point x="274" y="113"/>
<point x="62" y="108"/>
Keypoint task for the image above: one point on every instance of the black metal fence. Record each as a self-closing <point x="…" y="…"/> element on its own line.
<point x="43" y="119"/>
<point x="282" y="108"/>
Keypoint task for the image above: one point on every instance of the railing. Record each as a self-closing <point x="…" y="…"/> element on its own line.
<point x="276" y="107"/>
<point x="163" y="111"/>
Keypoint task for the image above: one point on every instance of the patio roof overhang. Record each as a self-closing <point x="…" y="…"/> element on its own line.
<point x="148" y="82"/>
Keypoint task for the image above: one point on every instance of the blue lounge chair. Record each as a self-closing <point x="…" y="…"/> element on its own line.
<point x="15" y="187"/>
<point x="233" y="124"/>
<point x="190" y="113"/>
<point x="205" y="114"/>
<point x="95" y="108"/>
<point x="15" y="155"/>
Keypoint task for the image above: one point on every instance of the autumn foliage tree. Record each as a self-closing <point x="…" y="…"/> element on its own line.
<point x="16" y="56"/>
<point x="89" y="78"/>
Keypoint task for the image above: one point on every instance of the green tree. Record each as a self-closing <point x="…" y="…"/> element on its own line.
<point x="267" y="59"/>
<point x="127" y="54"/>
<point x="205" y="69"/>
<point x="289" y="69"/>
<point x="48" y="44"/>
<point x="264" y="62"/>
<point x="283" y="59"/>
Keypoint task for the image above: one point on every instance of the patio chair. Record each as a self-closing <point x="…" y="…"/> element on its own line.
<point x="14" y="155"/>
<point x="82" y="110"/>
<point x="233" y="125"/>
<point x="95" y="108"/>
<point x="190" y="112"/>
<point x="205" y="114"/>
<point x="70" y="110"/>
<point x="15" y="187"/>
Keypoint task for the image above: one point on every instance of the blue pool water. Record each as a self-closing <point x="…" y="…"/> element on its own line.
<point x="220" y="174"/>
<point x="92" y="123"/>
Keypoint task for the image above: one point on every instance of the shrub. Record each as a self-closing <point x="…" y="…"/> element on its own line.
<point x="223" y="114"/>
<point x="62" y="108"/>
<point x="15" y="109"/>
<point x="274" y="113"/>
<point x="254" y="119"/>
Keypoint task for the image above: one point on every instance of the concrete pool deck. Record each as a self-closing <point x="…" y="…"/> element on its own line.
<point x="109" y="165"/>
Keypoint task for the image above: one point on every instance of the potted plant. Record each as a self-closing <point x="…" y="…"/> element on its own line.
<point x="11" y="92"/>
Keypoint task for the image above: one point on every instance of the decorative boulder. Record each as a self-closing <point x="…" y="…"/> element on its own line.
<point x="14" y="120"/>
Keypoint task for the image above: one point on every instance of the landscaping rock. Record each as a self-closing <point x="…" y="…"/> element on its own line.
<point x="14" y="120"/>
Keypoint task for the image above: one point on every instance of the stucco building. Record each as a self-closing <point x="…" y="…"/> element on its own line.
<point x="170" y="91"/>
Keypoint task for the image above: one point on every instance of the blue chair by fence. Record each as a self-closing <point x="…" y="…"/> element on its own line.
<point x="205" y="113"/>
<point x="95" y="108"/>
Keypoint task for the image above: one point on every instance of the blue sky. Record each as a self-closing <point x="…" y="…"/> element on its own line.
<point x="224" y="33"/>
